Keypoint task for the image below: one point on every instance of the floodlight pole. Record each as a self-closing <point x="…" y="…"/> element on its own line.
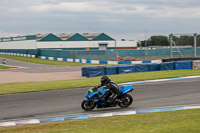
<point x="195" y="45"/>
<point x="170" y="39"/>
<point x="146" y="42"/>
<point x="115" y="50"/>
<point x="115" y="44"/>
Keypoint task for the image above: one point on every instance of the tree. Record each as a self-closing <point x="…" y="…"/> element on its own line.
<point x="143" y="43"/>
<point x="198" y="40"/>
<point x="185" y="40"/>
<point x="159" y="40"/>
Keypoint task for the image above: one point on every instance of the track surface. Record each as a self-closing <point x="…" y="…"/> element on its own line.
<point x="38" y="68"/>
<point x="31" y="72"/>
<point x="67" y="102"/>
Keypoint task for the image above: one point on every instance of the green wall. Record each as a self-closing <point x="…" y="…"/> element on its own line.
<point x="100" y="54"/>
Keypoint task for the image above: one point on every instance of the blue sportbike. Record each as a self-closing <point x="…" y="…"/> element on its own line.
<point x="93" y="98"/>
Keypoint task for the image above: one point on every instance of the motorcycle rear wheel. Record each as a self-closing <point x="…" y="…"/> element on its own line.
<point x="126" y="101"/>
<point x="88" y="105"/>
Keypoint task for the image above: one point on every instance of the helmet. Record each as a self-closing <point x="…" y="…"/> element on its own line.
<point x="104" y="80"/>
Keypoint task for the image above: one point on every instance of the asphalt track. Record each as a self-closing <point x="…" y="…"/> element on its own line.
<point x="38" y="68"/>
<point x="67" y="102"/>
<point x="31" y="72"/>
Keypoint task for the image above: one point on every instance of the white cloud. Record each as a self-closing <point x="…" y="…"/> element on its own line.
<point x="109" y="8"/>
<point x="115" y="17"/>
<point x="64" y="6"/>
<point x="180" y="12"/>
<point x="6" y="34"/>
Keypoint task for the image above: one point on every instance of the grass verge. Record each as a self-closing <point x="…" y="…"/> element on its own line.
<point x="43" y="61"/>
<point x="5" y="67"/>
<point x="80" y="83"/>
<point x="184" y="121"/>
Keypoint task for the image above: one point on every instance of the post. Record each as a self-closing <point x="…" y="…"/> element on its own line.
<point x="145" y="42"/>
<point x="170" y="39"/>
<point x="115" y="44"/>
<point x="195" y="45"/>
<point x="140" y="44"/>
<point x="116" y="55"/>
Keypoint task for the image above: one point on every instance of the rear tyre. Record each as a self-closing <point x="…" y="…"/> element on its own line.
<point x="125" y="101"/>
<point x="88" y="105"/>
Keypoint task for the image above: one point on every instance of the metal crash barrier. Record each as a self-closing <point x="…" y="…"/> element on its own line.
<point x="121" y="69"/>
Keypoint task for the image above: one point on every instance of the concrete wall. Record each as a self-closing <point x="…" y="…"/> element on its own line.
<point x="73" y="44"/>
<point x="33" y="44"/>
<point x="25" y="44"/>
<point x="126" y="43"/>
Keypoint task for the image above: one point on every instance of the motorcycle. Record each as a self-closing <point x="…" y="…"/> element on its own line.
<point x="4" y="61"/>
<point x="93" y="98"/>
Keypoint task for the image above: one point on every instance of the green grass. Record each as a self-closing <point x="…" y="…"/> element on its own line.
<point x="86" y="82"/>
<point x="184" y="121"/>
<point x="5" y="67"/>
<point x="43" y="61"/>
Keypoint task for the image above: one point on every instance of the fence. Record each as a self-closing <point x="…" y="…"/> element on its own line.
<point x="83" y="60"/>
<point x="20" y="51"/>
<point x="101" y="54"/>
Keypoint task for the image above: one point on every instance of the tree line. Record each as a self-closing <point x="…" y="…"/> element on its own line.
<point x="160" y="40"/>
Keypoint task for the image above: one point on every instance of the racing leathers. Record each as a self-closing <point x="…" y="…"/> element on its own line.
<point x="112" y="91"/>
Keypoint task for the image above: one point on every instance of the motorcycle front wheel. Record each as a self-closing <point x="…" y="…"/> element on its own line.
<point x="125" y="101"/>
<point x="88" y="105"/>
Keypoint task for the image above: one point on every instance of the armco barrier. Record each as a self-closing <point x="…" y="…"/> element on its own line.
<point x="179" y="65"/>
<point x="126" y="69"/>
<point x="95" y="71"/>
<point x="110" y="70"/>
<point x="17" y="54"/>
<point x="167" y="66"/>
<point x="92" y="72"/>
<point x="154" y="67"/>
<point x="84" y="71"/>
<point x="84" y="60"/>
<point x="142" y="68"/>
<point x="100" y="61"/>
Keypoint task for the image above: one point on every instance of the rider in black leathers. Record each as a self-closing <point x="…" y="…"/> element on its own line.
<point x="112" y="89"/>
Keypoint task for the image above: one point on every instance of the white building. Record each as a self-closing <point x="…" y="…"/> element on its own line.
<point x="72" y="41"/>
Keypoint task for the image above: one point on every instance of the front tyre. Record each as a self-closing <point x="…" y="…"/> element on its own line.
<point x="125" y="101"/>
<point x="88" y="105"/>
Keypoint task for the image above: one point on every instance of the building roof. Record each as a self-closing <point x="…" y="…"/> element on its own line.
<point x="102" y="37"/>
<point x="77" y="37"/>
<point x="72" y="37"/>
<point x="97" y="37"/>
<point x="40" y="36"/>
<point x="65" y="36"/>
<point x="50" y="37"/>
<point x="91" y="36"/>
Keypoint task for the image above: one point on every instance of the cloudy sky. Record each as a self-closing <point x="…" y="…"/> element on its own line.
<point x="126" y="19"/>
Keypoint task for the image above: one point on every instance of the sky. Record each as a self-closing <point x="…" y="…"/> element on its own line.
<point x="120" y="19"/>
